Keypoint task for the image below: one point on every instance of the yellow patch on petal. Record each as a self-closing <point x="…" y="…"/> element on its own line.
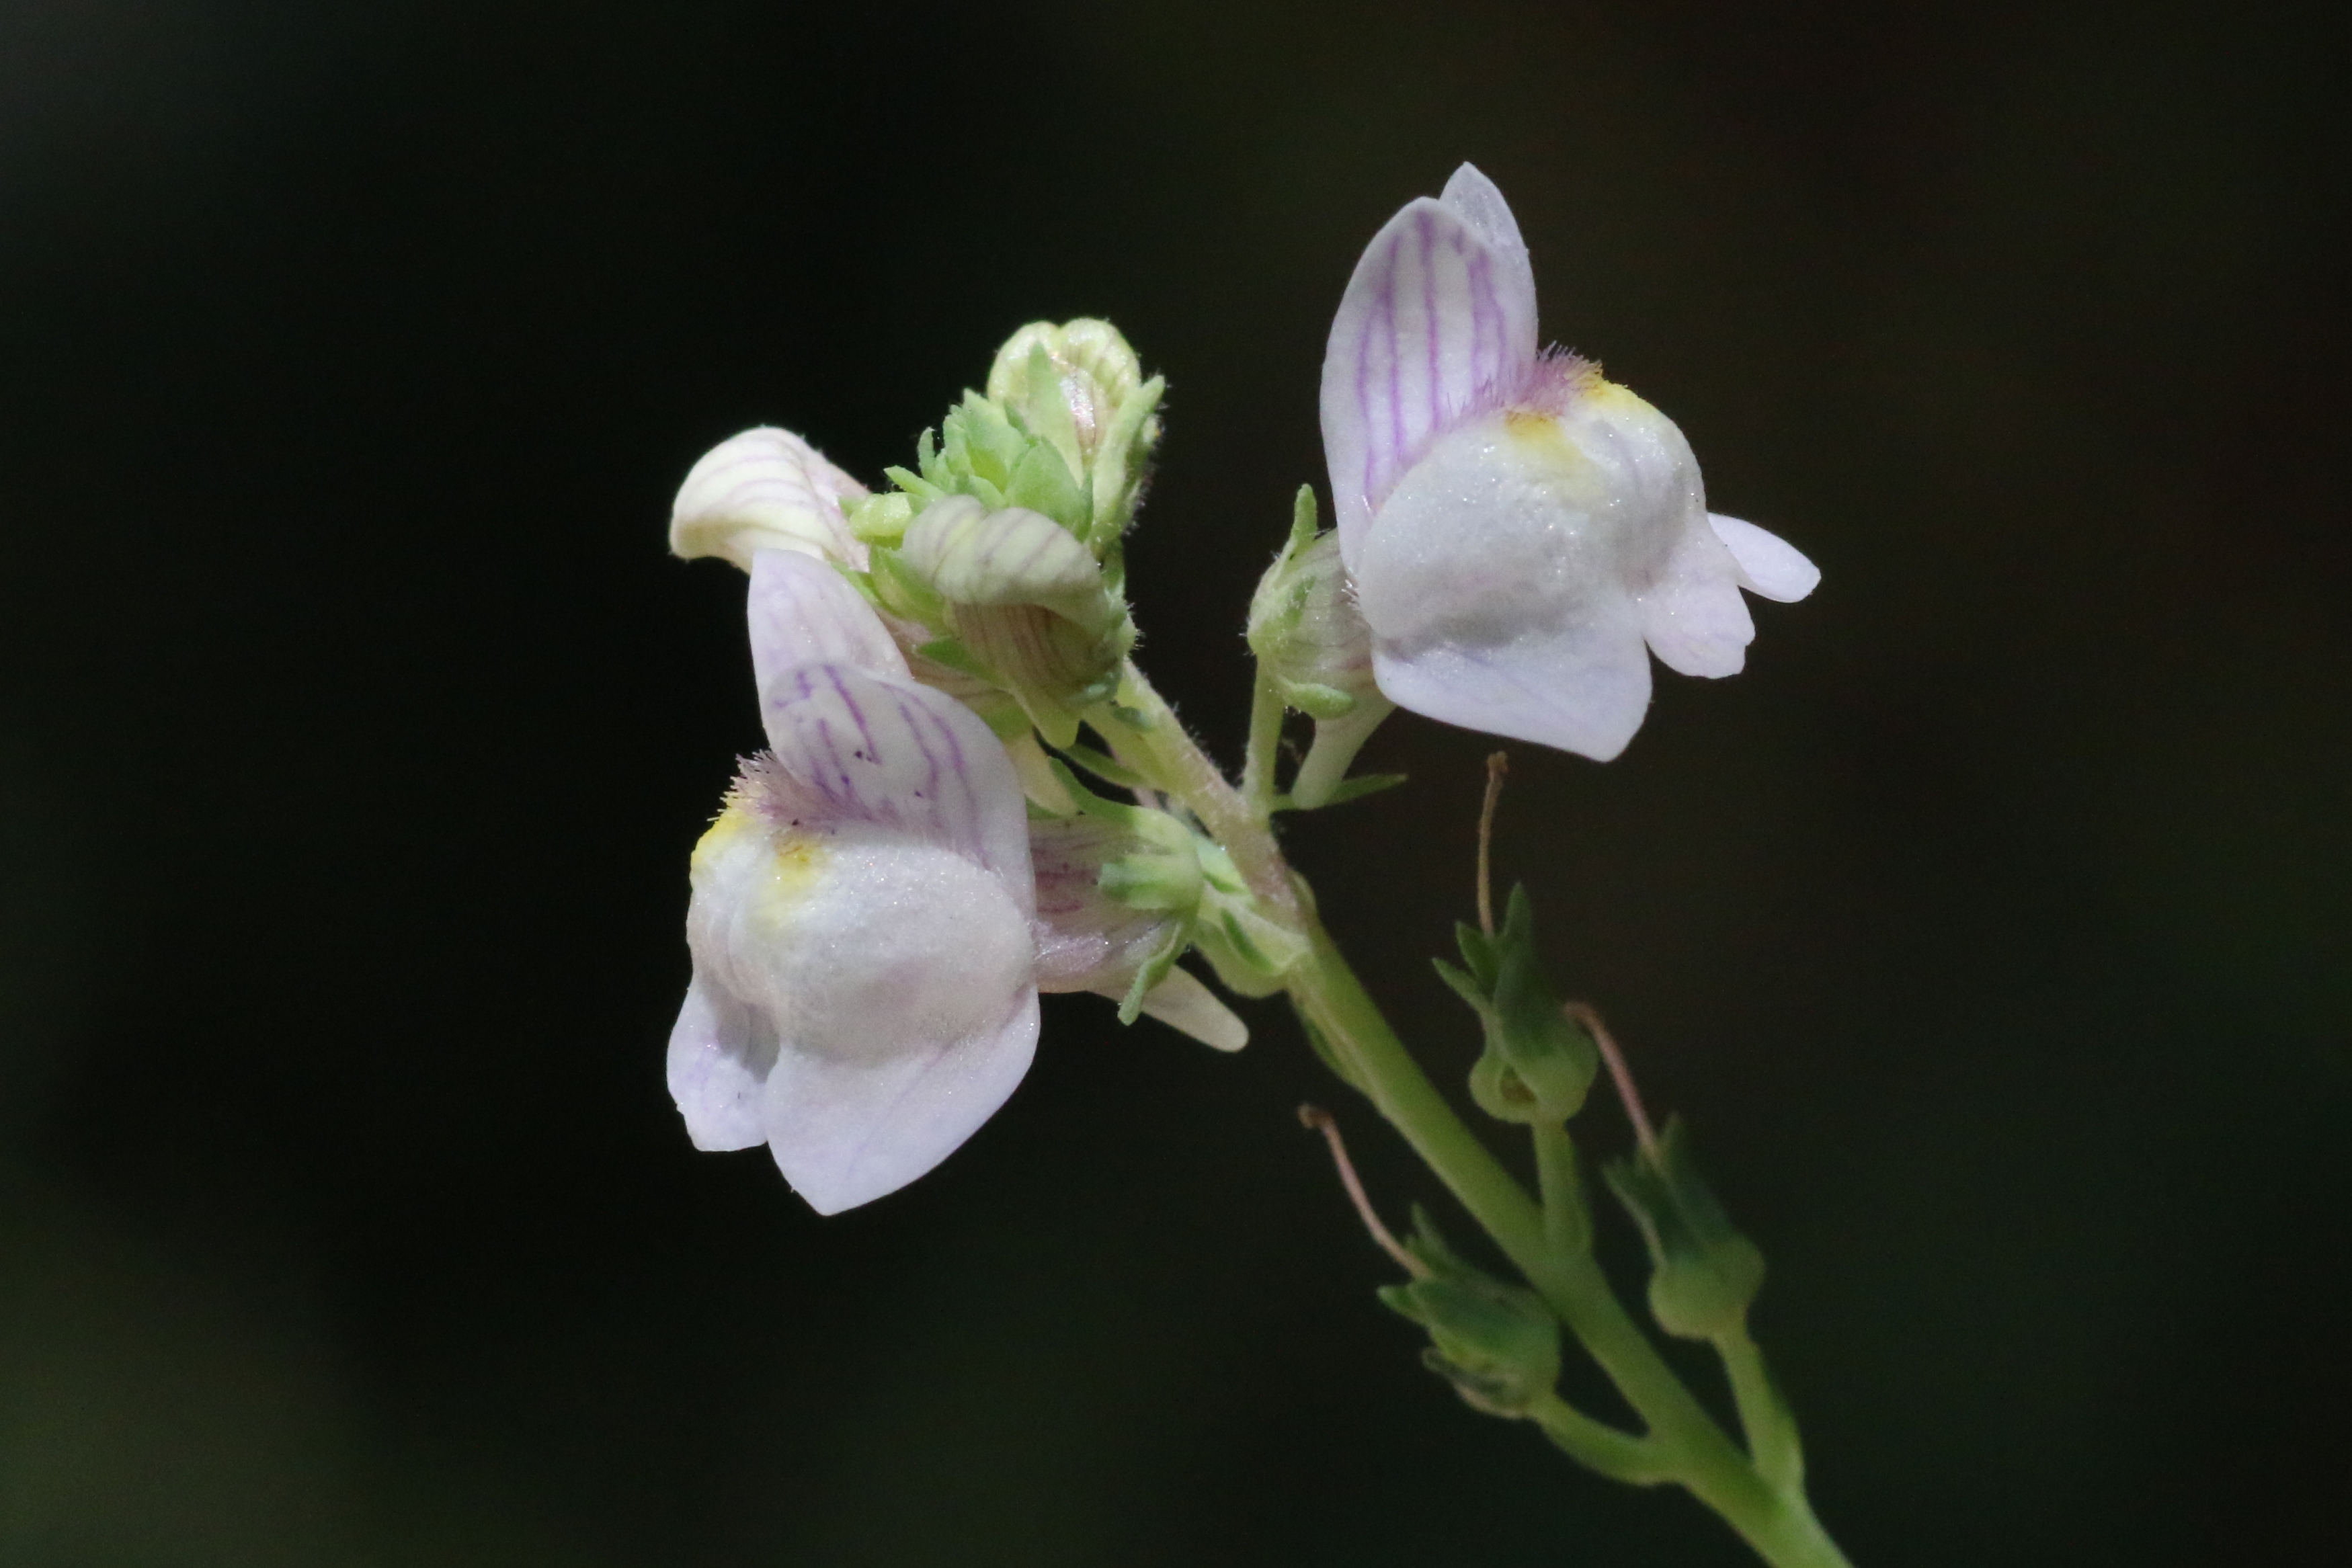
<point x="724" y="834"/>
<point x="1541" y="437"/>
<point x="793" y="866"/>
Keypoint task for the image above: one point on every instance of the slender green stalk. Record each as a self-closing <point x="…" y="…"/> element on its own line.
<point x="1683" y="1442"/>
<point x="1266" y="710"/>
<point x="1155" y="745"/>
<point x="1764" y="1415"/>
<point x="1333" y="752"/>
<point x="1568" y="1219"/>
<point x="1779" y="1526"/>
<point x="1597" y="1445"/>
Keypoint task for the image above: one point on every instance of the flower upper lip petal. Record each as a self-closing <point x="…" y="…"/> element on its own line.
<point x="867" y="749"/>
<point x="1438" y="323"/>
<point x="764" y="489"/>
<point x="802" y="611"/>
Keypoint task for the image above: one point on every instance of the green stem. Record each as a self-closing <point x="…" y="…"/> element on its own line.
<point x="1764" y="1415"/>
<point x="1337" y="741"/>
<point x="1267" y="708"/>
<point x="1568" y="1218"/>
<point x="1780" y="1527"/>
<point x="1683" y="1439"/>
<point x="1597" y="1445"/>
<point x="1159" y="748"/>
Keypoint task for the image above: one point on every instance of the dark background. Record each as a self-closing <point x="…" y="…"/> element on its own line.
<point x="1994" y="929"/>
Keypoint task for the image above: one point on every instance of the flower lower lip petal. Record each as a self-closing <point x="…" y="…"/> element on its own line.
<point x="846" y="1130"/>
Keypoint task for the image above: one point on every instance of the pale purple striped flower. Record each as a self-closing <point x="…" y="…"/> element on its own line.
<point x="1517" y="528"/>
<point x="865" y="992"/>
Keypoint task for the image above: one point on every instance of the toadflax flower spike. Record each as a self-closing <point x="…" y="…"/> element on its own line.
<point x="863" y="993"/>
<point x="1518" y="529"/>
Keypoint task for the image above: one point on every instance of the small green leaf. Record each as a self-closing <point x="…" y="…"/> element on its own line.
<point x="1463" y="985"/>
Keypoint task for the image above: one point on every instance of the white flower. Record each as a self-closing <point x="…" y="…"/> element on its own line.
<point x="865" y="992"/>
<point x="1517" y="527"/>
<point x="764" y="489"/>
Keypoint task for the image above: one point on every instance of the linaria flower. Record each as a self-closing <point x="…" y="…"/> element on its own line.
<point x="1517" y="528"/>
<point x="865" y="991"/>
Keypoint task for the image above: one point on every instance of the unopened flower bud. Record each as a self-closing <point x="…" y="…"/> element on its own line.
<point x="1088" y="373"/>
<point x="1026" y="602"/>
<point x="1079" y="387"/>
<point x="1313" y="645"/>
<point x="1012" y="556"/>
<point x="1306" y="631"/>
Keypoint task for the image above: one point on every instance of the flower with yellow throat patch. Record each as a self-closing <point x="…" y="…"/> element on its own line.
<point x="1521" y="533"/>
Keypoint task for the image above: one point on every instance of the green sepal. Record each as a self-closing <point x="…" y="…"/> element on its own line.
<point x="1498" y="1344"/>
<point x="980" y="447"/>
<point x="1041" y="481"/>
<point x="1463" y="985"/>
<point x="1153" y="970"/>
<point x="1218" y="867"/>
<point x="1119" y="459"/>
<point x="1154" y="880"/>
<point x="1348" y="790"/>
<point x="1251" y="955"/>
<point x="1478" y="952"/>
<point x="880" y="518"/>
<point x="1703" y="1273"/>
<point x="1005" y="718"/>
<point x="933" y="465"/>
<point x="951" y="652"/>
<point x="1318" y="701"/>
<point x="1119" y="813"/>
<point x="1550" y="1054"/>
<point x="1044" y="413"/>
<point x="897" y="588"/>
<point x="1103" y="767"/>
<point x="1303" y="520"/>
<point x="1057" y="725"/>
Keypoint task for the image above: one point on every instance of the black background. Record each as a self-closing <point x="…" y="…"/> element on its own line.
<point x="1994" y="929"/>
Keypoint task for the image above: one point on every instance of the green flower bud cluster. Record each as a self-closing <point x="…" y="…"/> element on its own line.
<point x="1165" y="866"/>
<point x="1004" y="542"/>
<point x="1703" y="1273"/>
<point x="1538" y="1065"/>
<point x="1498" y="1344"/>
